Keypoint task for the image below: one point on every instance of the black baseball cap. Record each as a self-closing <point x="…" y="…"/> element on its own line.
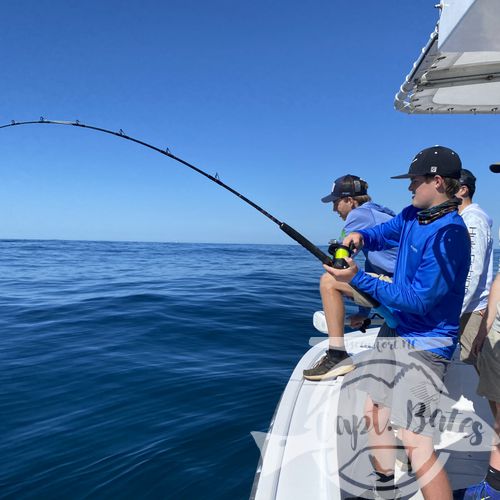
<point x="436" y="160"/>
<point x="467" y="178"/>
<point x="495" y="168"/>
<point x="347" y="185"/>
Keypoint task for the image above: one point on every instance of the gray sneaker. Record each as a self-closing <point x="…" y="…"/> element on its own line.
<point x="393" y="494"/>
<point x="374" y="494"/>
<point x="330" y="366"/>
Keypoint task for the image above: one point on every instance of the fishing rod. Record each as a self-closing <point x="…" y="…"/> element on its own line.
<point x="301" y="240"/>
<point x="288" y="230"/>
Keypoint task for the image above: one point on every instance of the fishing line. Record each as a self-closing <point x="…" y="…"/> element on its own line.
<point x="288" y="230"/>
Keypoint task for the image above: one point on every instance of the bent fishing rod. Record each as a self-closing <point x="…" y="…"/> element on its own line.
<point x="288" y="230"/>
<point x="301" y="240"/>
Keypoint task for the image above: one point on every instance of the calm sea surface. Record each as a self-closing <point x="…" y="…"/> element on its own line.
<point x="138" y="370"/>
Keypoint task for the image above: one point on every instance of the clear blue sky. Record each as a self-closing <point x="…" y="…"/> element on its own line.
<point x="278" y="97"/>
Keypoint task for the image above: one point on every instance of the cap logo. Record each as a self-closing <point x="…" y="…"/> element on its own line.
<point x="434" y="170"/>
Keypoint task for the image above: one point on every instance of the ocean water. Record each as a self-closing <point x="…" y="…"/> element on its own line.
<point x="139" y="370"/>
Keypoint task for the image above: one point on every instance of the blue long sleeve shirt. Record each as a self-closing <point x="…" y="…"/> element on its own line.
<point x="365" y="216"/>
<point x="428" y="289"/>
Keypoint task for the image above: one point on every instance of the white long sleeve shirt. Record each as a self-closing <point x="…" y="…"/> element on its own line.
<point x="480" y="275"/>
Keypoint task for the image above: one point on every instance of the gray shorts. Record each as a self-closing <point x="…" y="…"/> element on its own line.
<point x="408" y="381"/>
<point x="488" y="366"/>
<point x="469" y="327"/>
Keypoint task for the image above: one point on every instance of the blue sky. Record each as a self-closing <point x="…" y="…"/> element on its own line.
<point x="278" y="97"/>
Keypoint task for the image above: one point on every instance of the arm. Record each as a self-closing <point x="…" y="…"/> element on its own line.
<point x="488" y="318"/>
<point x="493" y="300"/>
<point x="432" y="281"/>
<point x="480" y="237"/>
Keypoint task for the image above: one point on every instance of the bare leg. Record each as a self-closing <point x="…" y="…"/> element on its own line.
<point x="381" y="438"/>
<point x="433" y="480"/>
<point x="332" y="292"/>
<point x="495" y="451"/>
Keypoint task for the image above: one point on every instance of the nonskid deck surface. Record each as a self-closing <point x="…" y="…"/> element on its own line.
<point x="300" y="453"/>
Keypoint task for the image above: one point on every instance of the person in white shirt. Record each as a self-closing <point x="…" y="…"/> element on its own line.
<point x="487" y="348"/>
<point x="480" y="274"/>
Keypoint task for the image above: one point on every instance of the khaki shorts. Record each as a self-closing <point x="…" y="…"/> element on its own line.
<point x="488" y="364"/>
<point x="469" y="326"/>
<point x="359" y="299"/>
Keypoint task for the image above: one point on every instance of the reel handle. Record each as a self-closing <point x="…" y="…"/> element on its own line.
<point x="366" y="323"/>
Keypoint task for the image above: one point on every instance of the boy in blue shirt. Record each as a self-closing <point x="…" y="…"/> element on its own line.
<point x="426" y="298"/>
<point x="351" y="201"/>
